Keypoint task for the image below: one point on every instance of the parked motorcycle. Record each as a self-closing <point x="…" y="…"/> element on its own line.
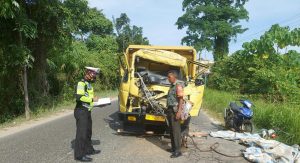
<point x="238" y="117"/>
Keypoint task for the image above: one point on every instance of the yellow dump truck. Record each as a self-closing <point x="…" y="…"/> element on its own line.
<point x="144" y="85"/>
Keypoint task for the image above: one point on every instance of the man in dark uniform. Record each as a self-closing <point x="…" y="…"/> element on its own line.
<point x="174" y="104"/>
<point x="82" y="113"/>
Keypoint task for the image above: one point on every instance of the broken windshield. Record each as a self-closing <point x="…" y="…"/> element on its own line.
<point x="156" y="73"/>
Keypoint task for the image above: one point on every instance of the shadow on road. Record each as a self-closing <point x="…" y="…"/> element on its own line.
<point x="161" y="142"/>
<point x="201" y="123"/>
<point x="94" y="142"/>
<point x="217" y="126"/>
<point x="136" y="131"/>
<point x="115" y="124"/>
<point x="113" y="121"/>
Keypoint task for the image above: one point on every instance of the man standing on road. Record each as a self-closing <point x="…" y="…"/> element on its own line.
<point x="174" y="104"/>
<point x="82" y="113"/>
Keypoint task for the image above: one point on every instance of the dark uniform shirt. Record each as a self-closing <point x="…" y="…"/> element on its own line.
<point x="175" y="91"/>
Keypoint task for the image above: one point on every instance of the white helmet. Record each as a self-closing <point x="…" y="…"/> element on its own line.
<point x="97" y="70"/>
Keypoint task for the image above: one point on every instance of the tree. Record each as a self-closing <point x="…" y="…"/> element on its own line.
<point x="93" y="44"/>
<point x="97" y="23"/>
<point x="83" y="20"/>
<point x="127" y="34"/>
<point x="263" y="67"/>
<point x="105" y="50"/>
<point x="211" y="24"/>
<point x="23" y="29"/>
<point x="44" y="47"/>
<point x="121" y="22"/>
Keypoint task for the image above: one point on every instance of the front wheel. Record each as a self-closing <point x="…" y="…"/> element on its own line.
<point x="247" y="126"/>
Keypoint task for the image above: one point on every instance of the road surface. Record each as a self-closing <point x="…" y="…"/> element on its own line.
<point x="52" y="142"/>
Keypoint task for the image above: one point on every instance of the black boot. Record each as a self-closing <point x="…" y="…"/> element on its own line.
<point x="176" y="154"/>
<point x="170" y="150"/>
<point x="94" y="152"/>
<point x="84" y="159"/>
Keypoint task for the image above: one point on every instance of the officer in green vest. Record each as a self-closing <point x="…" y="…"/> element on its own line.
<point x="82" y="113"/>
<point x="174" y="104"/>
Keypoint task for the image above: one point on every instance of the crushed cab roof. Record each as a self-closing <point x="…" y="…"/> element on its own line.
<point x="162" y="56"/>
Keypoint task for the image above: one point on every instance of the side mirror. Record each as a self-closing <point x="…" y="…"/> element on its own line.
<point x="199" y="82"/>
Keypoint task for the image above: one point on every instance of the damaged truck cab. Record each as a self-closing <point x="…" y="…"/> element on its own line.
<point x="144" y="85"/>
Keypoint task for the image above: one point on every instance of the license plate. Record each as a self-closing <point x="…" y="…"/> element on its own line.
<point x="154" y="118"/>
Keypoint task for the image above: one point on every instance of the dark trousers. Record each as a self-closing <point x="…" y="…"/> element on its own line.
<point x="90" y="126"/>
<point x="175" y="130"/>
<point x="83" y="142"/>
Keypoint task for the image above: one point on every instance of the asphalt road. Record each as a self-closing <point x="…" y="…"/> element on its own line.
<point x="52" y="143"/>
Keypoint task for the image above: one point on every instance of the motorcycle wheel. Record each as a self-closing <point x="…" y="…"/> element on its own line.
<point x="247" y="126"/>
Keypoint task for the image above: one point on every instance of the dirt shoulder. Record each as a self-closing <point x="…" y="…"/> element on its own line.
<point x="229" y="151"/>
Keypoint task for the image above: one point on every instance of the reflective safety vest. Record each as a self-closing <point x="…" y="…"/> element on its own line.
<point x="85" y="94"/>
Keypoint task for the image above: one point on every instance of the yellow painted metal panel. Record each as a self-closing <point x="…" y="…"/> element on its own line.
<point x="131" y="118"/>
<point x="160" y="47"/>
<point x="187" y="52"/>
<point x="162" y="56"/>
<point x="122" y="109"/>
<point x="196" y="95"/>
<point x="154" y="118"/>
<point x="134" y="90"/>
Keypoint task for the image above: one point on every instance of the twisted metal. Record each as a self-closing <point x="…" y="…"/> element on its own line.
<point x="158" y="110"/>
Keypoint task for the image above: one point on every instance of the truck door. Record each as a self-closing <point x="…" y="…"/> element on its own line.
<point x="196" y="97"/>
<point x="197" y="92"/>
<point x="124" y="82"/>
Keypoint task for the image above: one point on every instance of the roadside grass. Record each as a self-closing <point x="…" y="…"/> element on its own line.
<point x="39" y="112"/>
<point x="284" y="118"/>
<point x="56" y="106"/>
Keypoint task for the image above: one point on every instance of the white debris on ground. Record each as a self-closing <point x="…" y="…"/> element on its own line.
<point x="261" y="150"/>
<point x="255" y="154"/>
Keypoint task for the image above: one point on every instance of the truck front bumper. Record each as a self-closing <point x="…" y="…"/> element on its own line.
<point x="141" y="118"/>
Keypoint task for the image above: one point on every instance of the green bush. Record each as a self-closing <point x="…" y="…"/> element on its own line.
<point x="261" y="69"/>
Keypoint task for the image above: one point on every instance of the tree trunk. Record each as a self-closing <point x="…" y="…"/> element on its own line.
<point x="39" y="76"/>
<point x="27" y="109"/>
<point x="220" y="48"/>
<point x="26" y="99"/>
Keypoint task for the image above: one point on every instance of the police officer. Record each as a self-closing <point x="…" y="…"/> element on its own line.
<point x="174" y="104"/>
<point x="82" y="113"/>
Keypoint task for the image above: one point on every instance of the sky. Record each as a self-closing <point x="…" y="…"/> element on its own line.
<point x="158" y="18"/>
